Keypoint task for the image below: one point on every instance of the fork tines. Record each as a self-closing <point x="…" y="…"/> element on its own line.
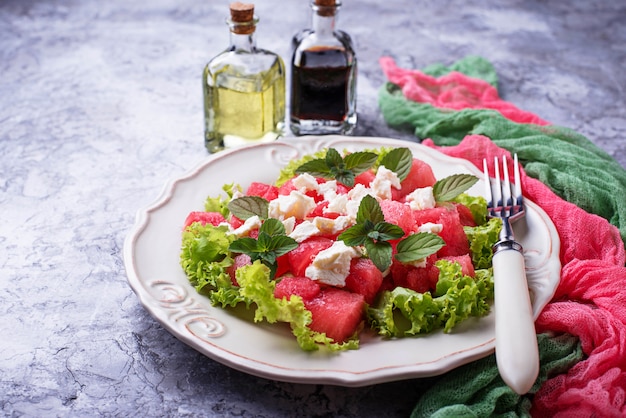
<point x="503" y="198"/>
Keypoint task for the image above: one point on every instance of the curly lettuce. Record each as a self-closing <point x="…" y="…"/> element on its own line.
<point x="403" y="312"/>
<point x="481" y="240"/>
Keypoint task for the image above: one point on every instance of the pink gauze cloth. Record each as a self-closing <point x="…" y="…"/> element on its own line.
<point x="590" y="301"/>
<point x="453" y="91"/>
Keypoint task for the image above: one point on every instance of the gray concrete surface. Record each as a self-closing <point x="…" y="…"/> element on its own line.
<point x="100" y="104"/>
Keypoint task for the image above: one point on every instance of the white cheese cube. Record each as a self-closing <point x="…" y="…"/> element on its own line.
<point x="295" y="204"/>
<point x="332" y="265"/>
<point x="421" y="198"/>
<point x="304" y="230"/>
<point x="383" y="182"/>
<point x="250" y="224"/>
<point x="305" y="182"/>
<point x="430" y="228"/>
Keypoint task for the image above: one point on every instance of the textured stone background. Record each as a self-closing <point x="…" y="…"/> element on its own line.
<point x="100" y="104"/>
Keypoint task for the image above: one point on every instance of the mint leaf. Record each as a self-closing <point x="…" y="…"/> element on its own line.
<point x="270" y="244"/>
<point x="248" y="206"/>
<point x="355" y="235"/>
<point x="359" y="162"/>
<point x="333" y="158"/>
<point x="373" y="233"/>
<point x="244" y="245"/>
<point x="380" y="254"/>
<point x="316" y="168"/>
<point x="450" y="187"/>
<point x="369" y="209"/>
<point x="334" y="166"/>
<point x="282" y="244"/>
<point x="418" y="246"/>
<point x="272" y="227"/>
<point x="388" y="232"/>
<point x="344" y="177"/>
<point x="398" y="160"/>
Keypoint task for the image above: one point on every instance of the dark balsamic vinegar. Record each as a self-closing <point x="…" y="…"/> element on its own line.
<point x="320" y="85"/>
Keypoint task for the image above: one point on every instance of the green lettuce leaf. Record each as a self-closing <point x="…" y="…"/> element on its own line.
<point x="219" y="204"/>
<point x="481" y="240"/>
<point x="205" y="258"/>
<point x="476" y="204"/>
<point x="404" y="312"/>
<point x="289" y="171"/>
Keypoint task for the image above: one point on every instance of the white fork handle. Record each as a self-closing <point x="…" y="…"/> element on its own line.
<point x="517" y="354"/>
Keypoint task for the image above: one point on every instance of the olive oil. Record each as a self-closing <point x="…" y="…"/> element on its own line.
<point x="244" y="90"/>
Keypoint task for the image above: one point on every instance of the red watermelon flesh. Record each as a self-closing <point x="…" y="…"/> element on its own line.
<point x="399" y="214"/>
<point x="304" y="287"/>
<point x="453" y="234"/>
<point x="452" y="231"/>
<point x="240" y="260"/>
<point x="465" y="214"/>
<point x="364" y="278"/>
<point x="420" y="279"/>
<point x="282" y="265"/>
<point x="432" y="215"/>
<point x="421" y="175"/>
<point x="286" y="187"/>
<point x="337" y="313"/>
<point x="300" y="258"/>
<point x="266" y="191"/>
<point x="213" y="218"/>
<point x="365" y="178"/>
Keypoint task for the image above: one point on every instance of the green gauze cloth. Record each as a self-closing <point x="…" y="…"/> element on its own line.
<point x="477" y="390"/>
<point x="566" y="161"/>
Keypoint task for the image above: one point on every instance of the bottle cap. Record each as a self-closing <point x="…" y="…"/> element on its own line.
<point x="326" y="7"/>
<point x="242" y="18"/>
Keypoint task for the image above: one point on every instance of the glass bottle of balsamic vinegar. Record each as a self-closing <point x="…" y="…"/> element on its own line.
<point x="323" y="76"/>
<point x="243" y="88"/>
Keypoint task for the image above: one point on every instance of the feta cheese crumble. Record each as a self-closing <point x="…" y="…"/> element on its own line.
<point x="294" y="204"/>
<point x="420" y="199"/>
<point x="332" y="265"/>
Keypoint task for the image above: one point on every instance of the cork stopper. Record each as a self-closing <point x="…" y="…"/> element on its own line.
<point x="326" y="7"/>
<point x="242" y="18"/>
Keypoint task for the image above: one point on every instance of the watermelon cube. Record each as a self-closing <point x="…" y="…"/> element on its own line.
<point x="300" y="258"/>
<point x="419" y="279"/>
<point x="421" y="175"/>
<point x="304" y="287"/>
<point x="337" y="313"/>
<point x="398" y="213"/>
<point x="453" y="234"/>
<point x="213" y="218"/>
<point x="266" y="191"/>
<point x="365" y="178"/>
<point x="364" y="278"/>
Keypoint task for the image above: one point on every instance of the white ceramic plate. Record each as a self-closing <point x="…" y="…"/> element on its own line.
<point x="151" y="255"/>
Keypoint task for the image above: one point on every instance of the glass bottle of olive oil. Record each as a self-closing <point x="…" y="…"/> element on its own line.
<point x="244" y="88"/>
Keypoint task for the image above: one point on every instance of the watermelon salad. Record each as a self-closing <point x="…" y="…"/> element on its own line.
<point x="346" y="243"/>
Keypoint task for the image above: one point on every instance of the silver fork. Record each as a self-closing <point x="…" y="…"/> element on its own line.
<point x="517" y="354"/>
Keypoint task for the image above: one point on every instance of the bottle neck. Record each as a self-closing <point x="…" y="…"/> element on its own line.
<point x="242" y="35"/>
<point x="242" y="42"/>
<point x="324" y="19"/>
